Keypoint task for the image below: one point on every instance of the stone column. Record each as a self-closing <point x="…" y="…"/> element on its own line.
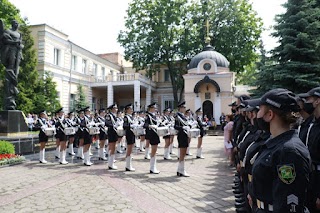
<point x="110" y="94"/>
<point x="136" y="95"/>
<point x="217" y="108"/>
<point x="148" y="95"/>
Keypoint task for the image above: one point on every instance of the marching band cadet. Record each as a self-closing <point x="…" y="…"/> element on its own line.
<point x="60" y="124"/>
<point x="312" y="141"/>
<point x="71" y="123"/>
<point x="87" y="138"/>
<point x="81" y="121"/>
<point x="191" y="121"/>
<point x="120" y="137"/>
<point x="111" y="122"/>
<point x="141" y="118"/>
<point x="101" y="121"/>
<point x="166" y="121"/>
<point x="57" y="152"/>
<point x="181" y="124"/>
<point x="42" y="123"/>
<point x="172" y="119"/>
<point x="151" y="135"/>
<point x="128" y="125"/>
<point x="201" y="124"/>
<point x="280" y="173"/>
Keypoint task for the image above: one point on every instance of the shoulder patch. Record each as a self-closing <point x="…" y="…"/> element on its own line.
<point x="287" y="173"/>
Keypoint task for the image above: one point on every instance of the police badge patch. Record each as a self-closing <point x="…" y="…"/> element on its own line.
<point x="287" y="173"/>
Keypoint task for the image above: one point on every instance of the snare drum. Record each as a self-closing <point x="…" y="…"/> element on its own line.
<point x="50" y="131"/>
<point x="162" y="131"/>
<point x="139" y="131"/>
<point x="120" y="131"/>
<point x="69" y="131"/>
<point x="94" y="130"/>
<point x="193" y="133"/>
<point x="172" y="131"/>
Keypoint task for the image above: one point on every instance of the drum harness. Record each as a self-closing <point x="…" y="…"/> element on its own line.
<point x="42" y="124"/>
<point x="114" y="123"/>
<point x="131" y="121"/>
<point x="183" y="122"/>
<point x="101" y="123"/>
<point x="152" y="120"/>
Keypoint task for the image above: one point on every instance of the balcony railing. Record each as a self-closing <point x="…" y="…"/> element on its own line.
<point x="121" y="77"/>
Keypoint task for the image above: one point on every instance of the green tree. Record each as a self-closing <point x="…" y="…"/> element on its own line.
<point x="171" y="32"/>
<point x="80" y="101"/>
<point x="296" y="61"/>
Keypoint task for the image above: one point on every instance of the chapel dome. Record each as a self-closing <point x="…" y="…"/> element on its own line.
<point x="209" y="53"/>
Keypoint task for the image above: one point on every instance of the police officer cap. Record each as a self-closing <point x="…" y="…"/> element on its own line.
<point x="282" y="99"/>
<point x="59" y="110"/>
<point x="188" y="110"/>
<point x="128" y="106"/>
<point x="182" y="104"/>
<point x="242" y="97"/>
<point x="102" y="110"/>
<point x="252" y="104"/>
<point x="71" y="112"/>
<point x="312" y="92"/>
<point x="80" y="111"/>
<point x="199" y="110"/>
<point x="168" y="109"/>
<point x="141" y="112"/>
<point x="42" y="112"/>
<point x="113" y="106"/>
<point x="233" y="104"/>
<point x="86" y="109"/>
<point x="152" y="105"/>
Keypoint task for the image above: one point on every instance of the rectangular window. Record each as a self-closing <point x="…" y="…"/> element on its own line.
<point x="168" y="103"/>
<point x="93" y="103"/>
<point x="84" y="66"/>
<point x="207" y="95"/>
<point x="74" y="63"/>
<point x="95" y="69"/>
<point x="72" y="102"/>
<point x="103" y="72"/>
<point x="101" y="103"/>
<point x="56" y="56"/>
<point x="166" y="75"/>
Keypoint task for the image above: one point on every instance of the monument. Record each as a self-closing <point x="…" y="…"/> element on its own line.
<point x="12" y="121"/>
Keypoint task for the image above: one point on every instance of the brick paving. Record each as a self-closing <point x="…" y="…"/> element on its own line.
<point x="34" y="187"/>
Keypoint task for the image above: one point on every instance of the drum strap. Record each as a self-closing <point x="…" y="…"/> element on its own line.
<point x="183" y="122"/>
<point x="101" y="120"/>
<point x="152" y="122"/>
<point x="41" y="123"/>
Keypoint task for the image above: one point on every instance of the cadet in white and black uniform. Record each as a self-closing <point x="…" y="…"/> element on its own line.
<point x="151" y="136"/>
<point x="60" y="125"/>
<point x="201" y="125"/>
<point x="42" y="124"/>
<point x="181" y="124"/>
<point x="166" y="121"/>
<point x="101" y="121"/>
<point x="112" y="124"/>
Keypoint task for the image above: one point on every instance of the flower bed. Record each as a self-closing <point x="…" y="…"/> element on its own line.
<point x="10" y="159"/>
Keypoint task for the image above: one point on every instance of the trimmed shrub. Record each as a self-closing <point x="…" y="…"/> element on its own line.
<point x="6" y="147"/>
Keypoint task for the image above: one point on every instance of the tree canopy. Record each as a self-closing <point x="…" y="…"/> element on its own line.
<point x="171" y="32"/>
<point x="295" y="63"/>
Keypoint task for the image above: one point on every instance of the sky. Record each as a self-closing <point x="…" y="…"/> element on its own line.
<point x="95" y="24"/>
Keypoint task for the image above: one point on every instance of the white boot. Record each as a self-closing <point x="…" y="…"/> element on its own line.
<point x="102" y="155"/>
<point x="170" y="149"/>
<point x="111" y="165"/>
<point x="188" y="151"/>
<point x="129" y="164"/>
<point x="97" y="144"/>
<point x="166" y="154"/>
<point x="183" y="172"/>
<point x="80" y="153"/>
<point x="153" y="166"/>
<point x="119" y="148"/>
<point x="57" y="154"/>
<point x="70" y="150"/>
<point x="142" y="146"/>
<point x="178" y="155"/>
<point x="63" y="157"/>
<point x="147" y="154"/>
<point x="42" y="160"/>
<point x="179" y="168"/>
<point x="87" y="161"/>
<point x="199" y="153"/>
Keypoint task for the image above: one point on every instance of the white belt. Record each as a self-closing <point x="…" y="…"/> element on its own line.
<point x="262" y="205"/>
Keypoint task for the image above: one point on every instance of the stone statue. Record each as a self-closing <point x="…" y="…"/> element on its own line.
<point x="10" y="56"/>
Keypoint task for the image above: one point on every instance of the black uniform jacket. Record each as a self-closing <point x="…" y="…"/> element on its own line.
<point x="281" y="173"/>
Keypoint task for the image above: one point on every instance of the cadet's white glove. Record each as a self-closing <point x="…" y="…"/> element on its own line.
<point x="153" y="126"/>
<point x="186" y="127"/>
<point x="134" y="125"/>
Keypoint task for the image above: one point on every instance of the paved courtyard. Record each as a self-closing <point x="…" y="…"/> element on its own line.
<point x="34" y="187"/>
